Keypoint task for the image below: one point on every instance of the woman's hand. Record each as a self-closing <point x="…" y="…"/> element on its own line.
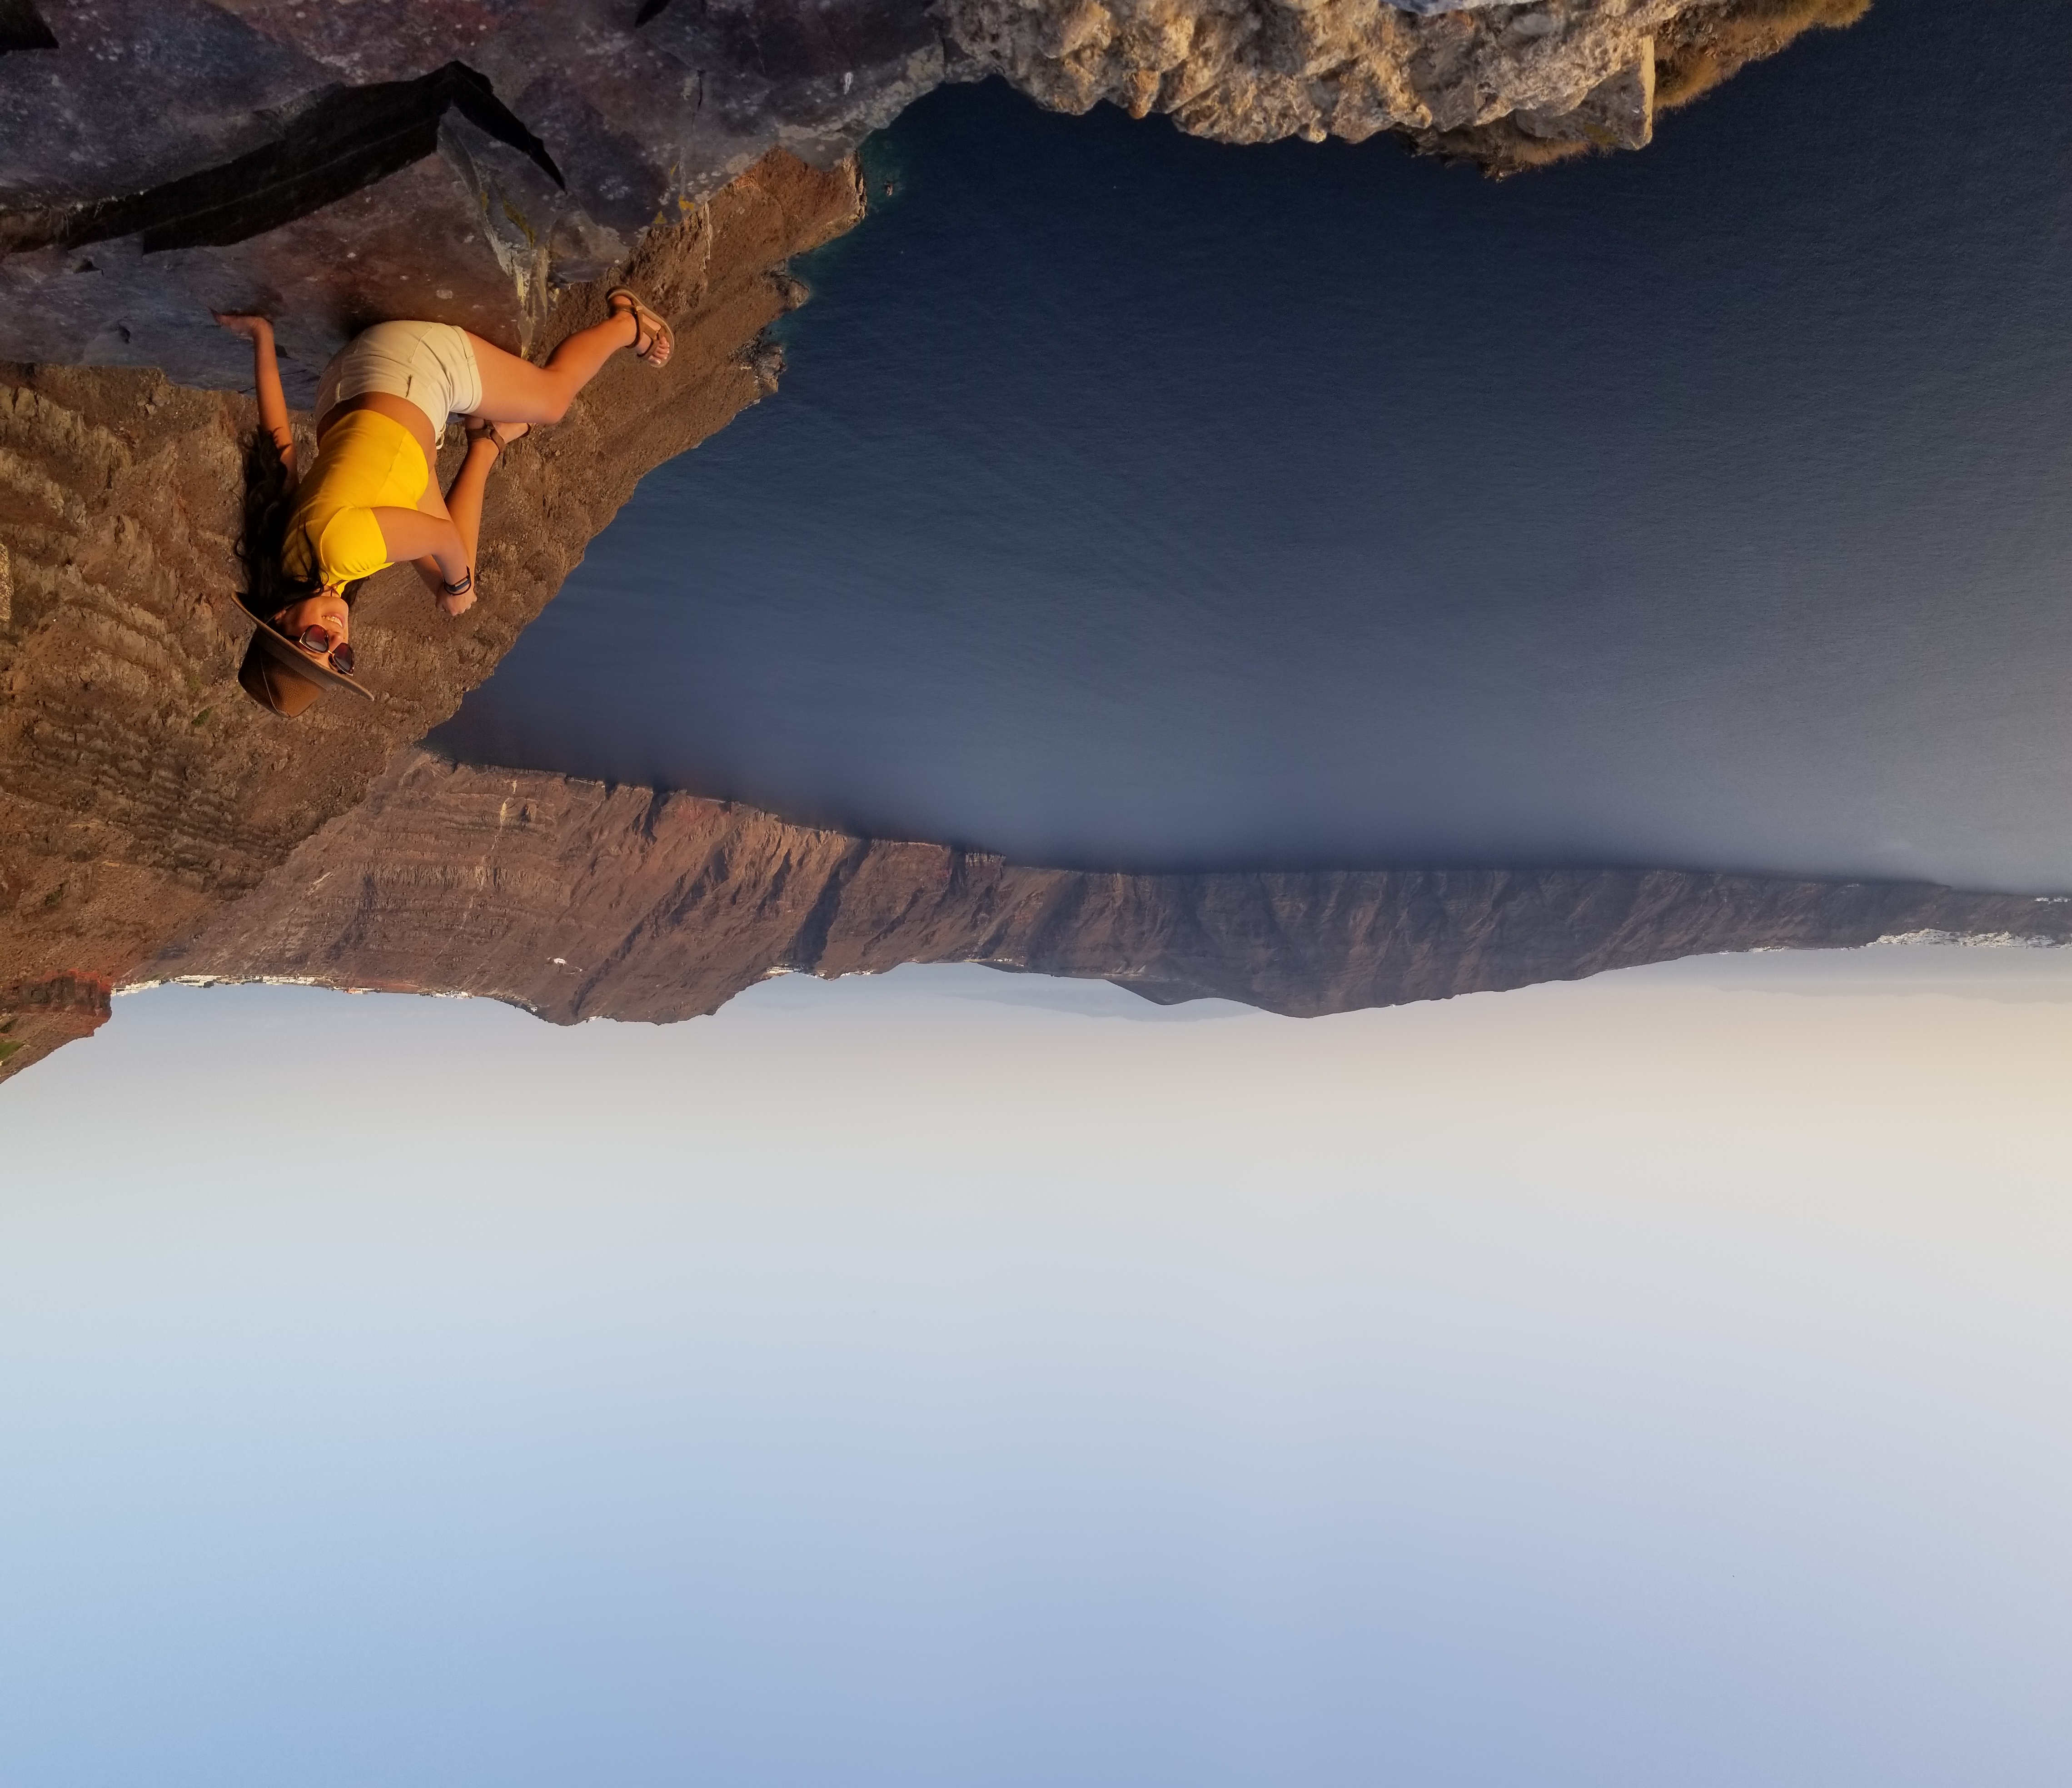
<point x="251" y="328"/>
<point x="458" y="601"/>
<point x="435" y="581"/>
<point x="412" y="534"/>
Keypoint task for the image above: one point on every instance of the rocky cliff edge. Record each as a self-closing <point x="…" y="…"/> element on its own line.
<point x="332" y="165"/>
<point x="139" y="790"/>
<point x="496" y="163"/>
<point x="575" y="900"/>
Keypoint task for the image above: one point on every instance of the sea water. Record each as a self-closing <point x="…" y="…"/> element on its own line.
<point x="1140" y="502"/>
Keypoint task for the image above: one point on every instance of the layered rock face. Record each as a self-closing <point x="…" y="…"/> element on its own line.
<point x="577" y="901"/>
<point x="139" y="790"/>
<point x="334" y="164"/>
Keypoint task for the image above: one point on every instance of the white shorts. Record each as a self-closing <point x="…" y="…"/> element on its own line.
<point x="431" y="364"/>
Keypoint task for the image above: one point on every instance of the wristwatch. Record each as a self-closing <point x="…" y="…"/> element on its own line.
<point x="462" y="584"/>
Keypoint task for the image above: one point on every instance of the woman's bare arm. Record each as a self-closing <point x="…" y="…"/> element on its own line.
<point x="464" y="504"/>
<point x="433" y="503"/>
<point x="412" y="534"/>
<point x="461" y="506"/>
<point x="266" y="376"/>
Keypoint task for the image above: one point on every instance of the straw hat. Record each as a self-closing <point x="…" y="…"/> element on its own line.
<point x="278" y="674"/>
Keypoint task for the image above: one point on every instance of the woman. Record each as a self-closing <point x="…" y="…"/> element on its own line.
<point x="369" y="499"/>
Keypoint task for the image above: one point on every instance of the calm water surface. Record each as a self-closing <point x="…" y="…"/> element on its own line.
<point x="1138" y="501"/>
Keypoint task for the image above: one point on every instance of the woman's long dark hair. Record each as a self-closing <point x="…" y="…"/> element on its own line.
<point x="268" y="497"/>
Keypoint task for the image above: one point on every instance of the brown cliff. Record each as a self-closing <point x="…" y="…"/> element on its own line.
<point x="493" y="164"/>
<point x="575" y="900"/>
<point x="138" y="789"/>
<point x="332" y="165"/>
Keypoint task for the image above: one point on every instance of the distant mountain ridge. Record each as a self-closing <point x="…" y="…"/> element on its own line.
<point x="578" y="900"/>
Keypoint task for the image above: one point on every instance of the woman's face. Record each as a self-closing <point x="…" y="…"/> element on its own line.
<point x="325" y="610"/>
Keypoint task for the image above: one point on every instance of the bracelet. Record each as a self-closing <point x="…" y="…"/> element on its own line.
<point x="462" y="584"/>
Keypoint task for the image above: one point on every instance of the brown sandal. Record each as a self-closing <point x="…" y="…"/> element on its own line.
<point x="653" y="341"/>
<point x="499" y="435"/>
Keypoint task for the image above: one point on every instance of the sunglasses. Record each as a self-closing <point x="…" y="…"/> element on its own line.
<point x="314" y="639"/>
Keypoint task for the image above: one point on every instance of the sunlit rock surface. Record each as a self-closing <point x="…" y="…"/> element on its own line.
<point x="139" y="788"/>
<point x="576" y="901"/>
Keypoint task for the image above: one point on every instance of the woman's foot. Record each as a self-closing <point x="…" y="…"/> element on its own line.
<point x="653" y="341"/>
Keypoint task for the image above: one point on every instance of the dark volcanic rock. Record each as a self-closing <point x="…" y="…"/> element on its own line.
<point x="332" y="164"/>
<point x="417" y="197"/>
<point x="576" y="901"/>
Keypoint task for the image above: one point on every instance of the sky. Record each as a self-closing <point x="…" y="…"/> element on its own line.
<point x="950" y="1377"/>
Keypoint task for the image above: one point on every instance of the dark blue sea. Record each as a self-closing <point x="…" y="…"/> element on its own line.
<point x="1139" y="501"/>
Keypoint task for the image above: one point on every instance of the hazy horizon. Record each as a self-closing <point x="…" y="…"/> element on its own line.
<point x="938" y="1377"/>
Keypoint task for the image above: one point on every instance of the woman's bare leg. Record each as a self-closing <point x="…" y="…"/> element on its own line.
<point x="516" y="391"/>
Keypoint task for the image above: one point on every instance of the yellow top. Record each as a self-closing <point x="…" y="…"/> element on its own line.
<point x="368" y="462"/>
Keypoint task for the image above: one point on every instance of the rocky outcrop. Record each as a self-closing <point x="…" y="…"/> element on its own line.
<point x="37" y="1017"/>
<point x="491" y="163"/>
<point x="1241" y="70"/>
<point x="334" y="164"/>
<point x="1505" y="85"/>
<point x="138" y="789"/>
<point x="575" y="900"/>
